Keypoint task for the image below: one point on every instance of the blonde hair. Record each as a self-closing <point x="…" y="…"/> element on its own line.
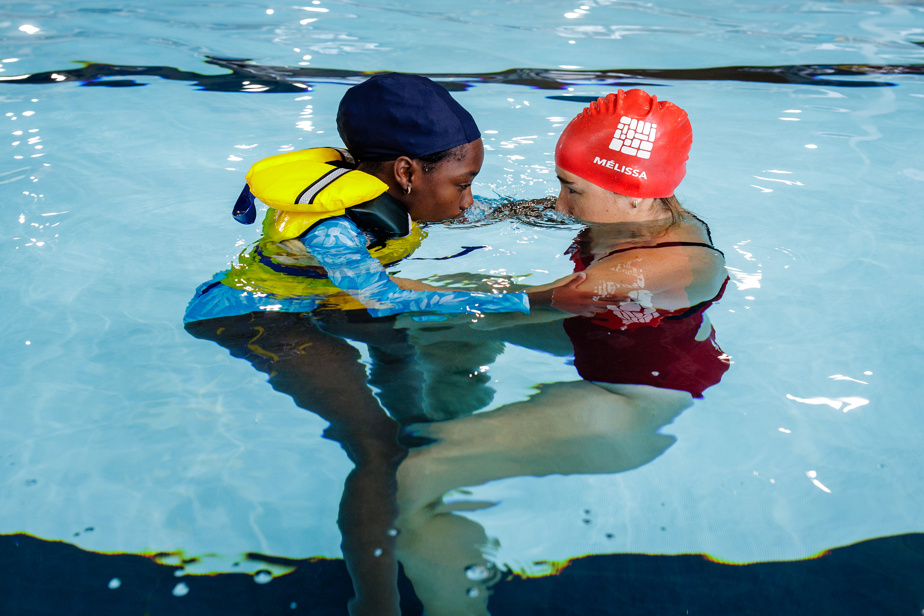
<point x="679" y="213"/>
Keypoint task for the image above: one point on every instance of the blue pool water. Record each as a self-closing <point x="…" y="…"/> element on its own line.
<point x="121" y="433"/>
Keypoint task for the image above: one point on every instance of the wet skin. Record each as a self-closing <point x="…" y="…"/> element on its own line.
<point x="444" y="191"/>
<point x="591" y="203"/>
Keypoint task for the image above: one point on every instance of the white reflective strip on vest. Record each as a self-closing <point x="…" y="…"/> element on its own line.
<point x="320" y="184"/>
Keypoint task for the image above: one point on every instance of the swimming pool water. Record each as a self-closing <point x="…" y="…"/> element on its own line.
<point x="123" y="434"/>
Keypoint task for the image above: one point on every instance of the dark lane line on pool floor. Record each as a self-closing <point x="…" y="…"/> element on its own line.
<point x="255" y="78"/>
<point x="877" y="576"/>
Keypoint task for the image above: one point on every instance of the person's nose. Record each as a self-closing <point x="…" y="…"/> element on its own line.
<point x="560" y="203"/>
<point x="468" y="199"/>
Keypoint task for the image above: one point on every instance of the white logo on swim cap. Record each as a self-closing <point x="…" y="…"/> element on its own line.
<point x="634" y="137"/>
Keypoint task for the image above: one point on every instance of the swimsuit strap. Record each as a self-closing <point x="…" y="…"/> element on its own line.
<point x="664" y="245"/>
<point x="701" y="307"/>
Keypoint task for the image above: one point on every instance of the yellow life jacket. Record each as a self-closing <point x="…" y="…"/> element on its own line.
<point x="304" y="187"/>
<point x="301" y="189"/>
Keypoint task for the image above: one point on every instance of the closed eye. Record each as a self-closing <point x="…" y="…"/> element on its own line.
<point x="569" y="186"/>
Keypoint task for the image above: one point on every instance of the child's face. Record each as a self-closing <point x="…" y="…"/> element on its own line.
<point x="446" y="191"/>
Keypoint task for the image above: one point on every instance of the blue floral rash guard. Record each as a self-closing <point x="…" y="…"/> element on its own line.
<point x="340" y="247"/>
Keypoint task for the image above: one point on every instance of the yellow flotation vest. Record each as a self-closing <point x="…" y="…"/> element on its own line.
<point x="302" y="188"/>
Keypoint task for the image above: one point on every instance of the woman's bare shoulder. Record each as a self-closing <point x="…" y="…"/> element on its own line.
<point x="681" y="265"/>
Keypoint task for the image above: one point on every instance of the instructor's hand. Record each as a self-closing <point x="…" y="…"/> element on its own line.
<point x="566" y="294"/>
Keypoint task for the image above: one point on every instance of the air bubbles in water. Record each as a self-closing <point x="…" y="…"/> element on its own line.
<point x="473" y="592"/>
<point x="263" y="577"/>
<point x="180" y="590"/>
<point x="477" y="573"/>
<point x="114" y="583"/>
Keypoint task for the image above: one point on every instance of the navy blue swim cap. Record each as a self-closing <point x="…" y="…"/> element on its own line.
<point x="395" y="114"/>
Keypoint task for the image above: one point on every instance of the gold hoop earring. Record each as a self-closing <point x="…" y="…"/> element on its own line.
<point x="407" y="189"/>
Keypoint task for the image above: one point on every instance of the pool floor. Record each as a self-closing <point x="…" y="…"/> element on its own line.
<point x="880" y="576"/>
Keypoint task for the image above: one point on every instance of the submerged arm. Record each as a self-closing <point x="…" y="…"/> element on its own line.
<point x="340" y="248"/>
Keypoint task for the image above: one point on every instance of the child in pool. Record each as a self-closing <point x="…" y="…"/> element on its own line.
<point x="413" y="153"/>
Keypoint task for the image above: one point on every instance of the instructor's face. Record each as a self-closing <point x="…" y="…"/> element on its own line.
<point x="446" y="190"/>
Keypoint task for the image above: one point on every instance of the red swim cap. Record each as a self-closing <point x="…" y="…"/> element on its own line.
<point x="629" y="143"/>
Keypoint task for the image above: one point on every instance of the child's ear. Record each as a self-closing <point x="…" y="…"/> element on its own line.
<point x="405" y="168"/>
